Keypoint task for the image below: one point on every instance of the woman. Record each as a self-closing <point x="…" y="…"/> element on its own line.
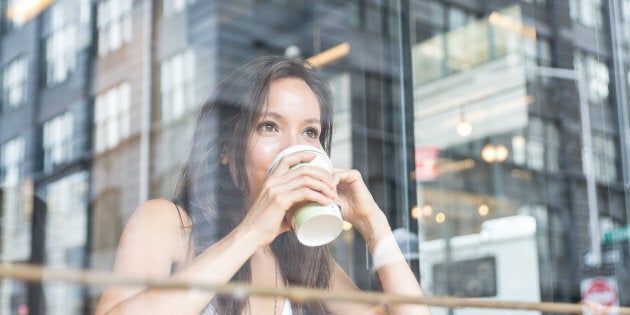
<point x="229" y="222"/>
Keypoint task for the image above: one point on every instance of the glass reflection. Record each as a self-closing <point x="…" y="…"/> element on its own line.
<point x="482" y="156"/>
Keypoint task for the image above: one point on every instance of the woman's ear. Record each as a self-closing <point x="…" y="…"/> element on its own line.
<point x="223" y="156"/>
<point x="223" y="159"/>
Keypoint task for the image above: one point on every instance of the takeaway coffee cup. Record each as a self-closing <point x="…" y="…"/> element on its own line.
<point x="313" y="223"/>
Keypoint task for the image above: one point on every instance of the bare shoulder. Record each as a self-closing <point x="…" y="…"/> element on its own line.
<point x="157" y="229"/>
<point x="160" y="212"/>
<point x="151" y="243"/>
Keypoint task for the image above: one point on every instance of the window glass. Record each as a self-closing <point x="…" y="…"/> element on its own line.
<point x="112" y="117"/>
<point x="67" y="210"/>
<point x="604" y="158"/>
<point x="492" y="137"/>
<point x="479" y="172"/>
<point x="15" y="20"/>
<point x="16" y="220"/>
<point x="114" y="25"/>
<point x="172" y="7"/>
<point x="14" y="83"/>
<point x="85" y="11"/>
<point x="597" y="77"/>
<point x="177" y="77"/>
<point x="58" y="141"/>
<point x="12" y="161"/>
<point x="587" y="12"/>
<point x="61" y="45"/>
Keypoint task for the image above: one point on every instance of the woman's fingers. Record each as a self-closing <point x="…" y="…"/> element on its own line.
<point x="287" y="186"/>
<point x="300" y="189"/>
<point x="354" y="197"/>
<point x="346" y="176"/>
<point x="307" y="171"/>
<point x="313" y="177"/>
<point x="313" y="184"/>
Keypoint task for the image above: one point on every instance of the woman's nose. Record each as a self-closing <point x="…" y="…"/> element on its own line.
<point x="290" y="141"/>
<point x="294" y="140"/>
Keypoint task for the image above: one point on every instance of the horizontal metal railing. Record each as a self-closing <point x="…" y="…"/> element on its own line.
<point x="32" y="273"/>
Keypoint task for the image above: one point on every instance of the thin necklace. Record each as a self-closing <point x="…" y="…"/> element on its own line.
<point x="275" y="297"/>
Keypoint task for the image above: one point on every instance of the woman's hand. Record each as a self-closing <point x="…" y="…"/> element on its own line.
<point x="285" y="188"/>
<point x="358" y="207"/>
<point x="355" y="200"/>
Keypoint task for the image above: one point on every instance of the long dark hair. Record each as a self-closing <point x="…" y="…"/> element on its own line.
<point x="213" y="194"/>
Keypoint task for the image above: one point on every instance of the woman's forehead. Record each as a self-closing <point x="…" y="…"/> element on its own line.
<point x="291" y="96"/>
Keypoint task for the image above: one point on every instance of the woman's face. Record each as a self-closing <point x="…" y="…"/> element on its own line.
<point x="290" y="117"/>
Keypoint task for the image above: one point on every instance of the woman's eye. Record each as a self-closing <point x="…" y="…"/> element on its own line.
<point x="311" y="133"/>
<point x="267" y="126"/>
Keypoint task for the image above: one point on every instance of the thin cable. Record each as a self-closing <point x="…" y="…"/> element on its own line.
<point x="601" y="106"/>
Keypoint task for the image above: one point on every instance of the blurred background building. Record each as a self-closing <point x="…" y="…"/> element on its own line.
<point x="494" y="134"/>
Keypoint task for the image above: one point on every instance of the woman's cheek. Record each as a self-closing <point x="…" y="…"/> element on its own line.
<point x="259" y="160"/>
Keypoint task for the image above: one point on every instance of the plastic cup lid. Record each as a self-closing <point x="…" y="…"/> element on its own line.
<point x="298" y="148"/>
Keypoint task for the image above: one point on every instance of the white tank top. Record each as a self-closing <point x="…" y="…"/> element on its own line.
<point x="287" y="308"/>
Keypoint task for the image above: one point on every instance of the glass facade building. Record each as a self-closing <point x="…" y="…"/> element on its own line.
<point x="495" y="135"/>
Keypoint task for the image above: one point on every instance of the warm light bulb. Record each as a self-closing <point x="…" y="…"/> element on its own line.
<point x="488" y="153"/>
<point x="501" y="153"/>
<point x="440" y="217"/>
<point x="427" y="210"/>
<point x="415" y="212"/>
<point x="464" y="128"/>
<point x="483" y="210"/>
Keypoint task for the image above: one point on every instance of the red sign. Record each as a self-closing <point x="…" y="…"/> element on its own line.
<point x="426" y="163"/>
<point x="602" y="290"/>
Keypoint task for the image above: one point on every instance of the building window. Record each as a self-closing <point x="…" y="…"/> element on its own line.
<point x="537" y="53"/>
<point x="625" y="19"/>
<point x="587" y="12"/>
<point x="12" y="20"/>
<point x="14" y="83"/>
<point x="11" y="161"/>
<point x="85" y="11"/>
<point x="112" y="117"/>
<point x="58" y="144"/>
<point x="535" y="144"/>
<point x="60" y="47"/>
<point x="177" y="85"/>
<point x="172" y="7"/>
<point x="114" y="25"/>
<point x="552" y="147"/>
<point x="596" y="76"/>
<point x="66" y="238"/>
<point x="604" y="158"/>
<point x="458" y="18"/>
<point x="538" y="148"/>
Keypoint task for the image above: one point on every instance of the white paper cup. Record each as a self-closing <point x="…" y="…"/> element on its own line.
<point x="313" y="223"/>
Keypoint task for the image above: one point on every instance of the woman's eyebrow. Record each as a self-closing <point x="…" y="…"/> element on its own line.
<point x="272" y="114"/>
<point x="280" y="117"/>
